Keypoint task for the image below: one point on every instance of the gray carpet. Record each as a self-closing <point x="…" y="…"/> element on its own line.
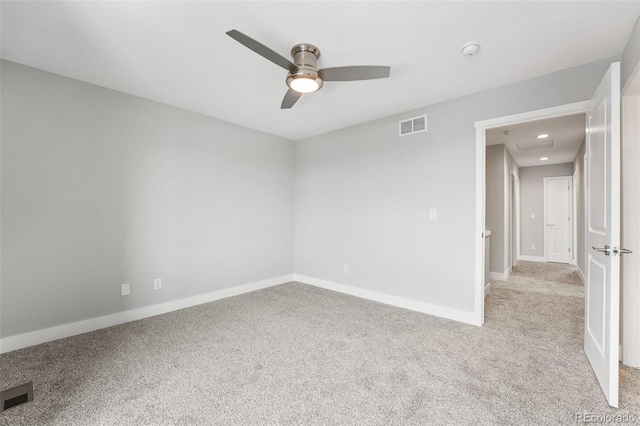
<point x="296" y="354"/>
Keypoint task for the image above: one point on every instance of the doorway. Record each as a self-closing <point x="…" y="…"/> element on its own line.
<point x="482" y="128"/>
<point x="602" y="211"/>
<point x="529" y="191"/>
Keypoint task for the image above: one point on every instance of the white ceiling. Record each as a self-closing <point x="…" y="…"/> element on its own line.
<point x="177" y="52"/>
<point x="566" y="135"/>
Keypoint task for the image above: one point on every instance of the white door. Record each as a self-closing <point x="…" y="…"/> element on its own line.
<point x="558" y="219"/>
<point x="602" y="293"/>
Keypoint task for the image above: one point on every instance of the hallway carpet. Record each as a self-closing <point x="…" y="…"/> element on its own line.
<point x="298" y="355"/>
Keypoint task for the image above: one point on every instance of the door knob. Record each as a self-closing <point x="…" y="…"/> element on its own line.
<point x="606" y="250"/>
<point x="621" y="251"/>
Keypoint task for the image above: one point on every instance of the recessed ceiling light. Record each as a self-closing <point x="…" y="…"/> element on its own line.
<point x="542" y="136"/>
<point x="544" y="158"/>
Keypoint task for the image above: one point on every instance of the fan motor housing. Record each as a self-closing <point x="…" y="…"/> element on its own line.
<point x="305" y="58"/>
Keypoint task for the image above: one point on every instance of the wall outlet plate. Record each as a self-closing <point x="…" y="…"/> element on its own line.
<point x="346" y="269"/>
<point x="157" y="284"/>
<point x="124" y="289"/>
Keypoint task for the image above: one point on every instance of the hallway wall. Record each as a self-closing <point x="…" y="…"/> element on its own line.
<point x="500" y="167"/>
<point x="495" y="205"/>
<point x="511" y="169"/>
<point x="579" y="188"/>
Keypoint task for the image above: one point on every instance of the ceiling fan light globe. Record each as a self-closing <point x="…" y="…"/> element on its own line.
<point x="304" y="84"/>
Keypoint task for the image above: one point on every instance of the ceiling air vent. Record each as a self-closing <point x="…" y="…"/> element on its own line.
<point x="413" y="125"/>
<point x="534" y="145"/>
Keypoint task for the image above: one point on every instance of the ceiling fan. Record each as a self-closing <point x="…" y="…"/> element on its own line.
<point x="304" y="75"/>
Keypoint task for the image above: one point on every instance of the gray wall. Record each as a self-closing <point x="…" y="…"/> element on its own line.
<point x="500" y="167"/>
<point x="101" y="188"/>
<point x="511" y="169"/>
<point x="494" y="204"/>
<point x="363" y="193"/>
<point x="631" y="55"/>
<point x="579" y="187"/>
<point x="532" y="201"/>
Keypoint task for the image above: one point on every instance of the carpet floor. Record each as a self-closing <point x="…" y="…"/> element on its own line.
<point x="300" y="355"/>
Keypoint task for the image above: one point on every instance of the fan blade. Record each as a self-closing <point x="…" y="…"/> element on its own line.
<point x="261" y="49"/>
<point x="290" y="98"/>
<point x="362" y="72"/>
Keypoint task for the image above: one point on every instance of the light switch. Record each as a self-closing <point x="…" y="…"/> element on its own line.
<point x="533" y="215"/>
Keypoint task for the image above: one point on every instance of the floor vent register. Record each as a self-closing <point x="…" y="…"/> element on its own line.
<point x="17" y="395"/>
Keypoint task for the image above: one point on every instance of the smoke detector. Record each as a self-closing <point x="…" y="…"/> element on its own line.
<point x="470" y="49"/>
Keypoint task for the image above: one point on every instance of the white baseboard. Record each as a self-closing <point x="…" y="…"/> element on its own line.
<point x="487" y="289"/>
<point x="532" y="258"/>
<point x="37" y="337"/>
<point x="413" y="305"/>
<point x="581" y="275"/>
<point x="20" y="341"/>
<point x="497" y="276"/>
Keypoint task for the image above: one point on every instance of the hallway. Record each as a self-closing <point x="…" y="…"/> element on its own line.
<point x="542" y="304"/>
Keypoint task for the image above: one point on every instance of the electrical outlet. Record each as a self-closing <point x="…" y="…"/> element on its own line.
<point x="533" y="247"/>
<point x="432" y="214"/>
<point x="346" y="269"/>
<point x="157" y="284"/>
<point x="124" y="289"/>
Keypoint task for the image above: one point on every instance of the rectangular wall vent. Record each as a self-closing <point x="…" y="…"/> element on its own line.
<point x="413" y="125"/>
<point x="16" y="395"/>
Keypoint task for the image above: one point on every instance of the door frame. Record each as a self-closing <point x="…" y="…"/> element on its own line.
<point x="585" y="191"/>
<point x="571" y="215"/>
<point x="574" y="219"/>
<point x="515" y="222"/>
<point x="630" y="294"/>
<point x="481" y="127"/>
